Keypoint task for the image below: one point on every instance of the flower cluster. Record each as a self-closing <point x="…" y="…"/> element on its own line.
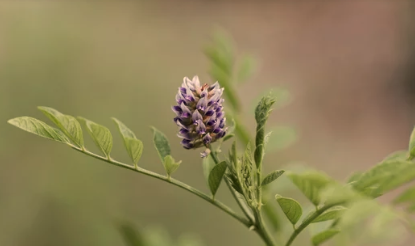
<point x="199" y="114"/>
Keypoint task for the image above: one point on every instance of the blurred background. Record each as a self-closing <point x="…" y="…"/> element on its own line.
<point x="349" y="66"/>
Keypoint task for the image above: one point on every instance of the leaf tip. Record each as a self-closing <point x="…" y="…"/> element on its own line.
<point x="115" y="119"/>
<point x="11" y="121"/>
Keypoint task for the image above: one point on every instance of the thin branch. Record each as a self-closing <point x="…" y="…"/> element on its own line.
<point x="175" y="182"/>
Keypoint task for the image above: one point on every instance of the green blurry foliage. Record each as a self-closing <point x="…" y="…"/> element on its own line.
<point x="154" y="236"/>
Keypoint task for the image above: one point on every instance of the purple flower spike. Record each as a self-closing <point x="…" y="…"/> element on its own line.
<point x="200" y="115"/>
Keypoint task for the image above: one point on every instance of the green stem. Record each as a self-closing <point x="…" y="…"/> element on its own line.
<point x="177" y="183"/>
<point x="306" y="222"/>
<point x="262" y="230"/>
<point x="244" y="209"/>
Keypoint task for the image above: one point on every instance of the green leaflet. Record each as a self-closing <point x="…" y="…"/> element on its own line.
<point x="67" y="124"/>
<point x="161" y="143"/>
<point x="330" y="214"/>
<point x="311" y="184"/>
<point x="39" y="128"/>
<point x="215" y="176"/>
<point x="378" y="222"/>
<point x="335" y="193"/>
<point x="133" y="146"/>
<point x="291" y="208"/>
<point x="400" y="155"/>
<point x="323" y="236"/>
<point x="170" y="165"/>
<point x="354" y="177"/>
<point x="385" y="176"/>
<point x="271" y="177"/>
<point x="100" y="134"/>
<point x="228" y="136"/>
<point x="123" y="129"/>
<point x="208" y="164"/>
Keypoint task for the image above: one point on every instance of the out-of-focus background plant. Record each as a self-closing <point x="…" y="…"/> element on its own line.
<point x="348" y="66"/>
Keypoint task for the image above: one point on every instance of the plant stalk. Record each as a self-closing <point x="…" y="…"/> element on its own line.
<point x="175" y="182"/>
<point x="262" y="230"/>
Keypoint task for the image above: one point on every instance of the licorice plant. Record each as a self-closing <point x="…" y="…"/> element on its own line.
<point x="347" y="213"/>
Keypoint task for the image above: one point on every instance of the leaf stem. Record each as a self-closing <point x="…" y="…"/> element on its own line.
<point x="262" y="230"/>
<point x="175" y="182"/>
<point x="306" y="222"/>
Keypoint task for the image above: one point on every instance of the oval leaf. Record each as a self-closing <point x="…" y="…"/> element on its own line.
<point x="170" y="165"/>
<point x="227" y="137"/>
<point x="291" y="208"/>
<point x="399" y="155"/>
<point x="323" y="236"/>
<point x="133" y="146"/>
<point x="39" y="128"/>
<point x="330" y="214"/>
<point x="311" y="184"/>
<point x="124" y="130"/>
<point x="385" y="176"/>
<point x="208" y="164"/>
<point x="271" y="177"/>
<point x="216" y="175"/>
<point x="100" y="134"/>
<point x="161" y="143"/>
<point x="67" y="124"/>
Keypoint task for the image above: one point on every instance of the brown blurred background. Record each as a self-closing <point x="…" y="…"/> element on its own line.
<point x="348" y="64"/>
